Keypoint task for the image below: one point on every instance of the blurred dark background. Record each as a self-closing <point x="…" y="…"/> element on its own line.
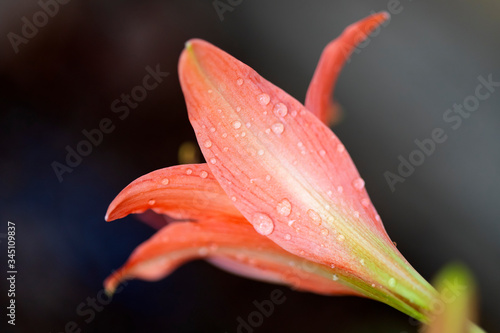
<point x="64" y="78"/>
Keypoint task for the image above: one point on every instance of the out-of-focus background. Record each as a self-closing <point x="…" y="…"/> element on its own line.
<point x="61" y="72"/>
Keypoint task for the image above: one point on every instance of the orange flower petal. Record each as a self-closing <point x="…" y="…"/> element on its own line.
<point x="181" y="192"/>
<point x="331" y="62"/>
<point x="291" y="175"/>
<point x="231" y="244"/>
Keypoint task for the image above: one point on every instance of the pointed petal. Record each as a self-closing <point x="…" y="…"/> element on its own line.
<point x="291" y="176"/>
<point x="181" y="192"/>
<point x="231" y="244"/>
<point x="333" y="58"/>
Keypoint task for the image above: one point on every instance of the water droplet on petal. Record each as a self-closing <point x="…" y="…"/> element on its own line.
<point x="340" y="148"/>
<point x="260" y="152"/>
<point x="212" y="129"/>
<point x="362" y="261"/>
<point x="288" y="237"/>
<point x="278" y="128"/>
<point x="324" y="232"/>
<point x="392" y="282"/>
<point x="264" y="99"/>
<point x="210" y="91"/>
<point x="208" y="144"/>
<point x="151" y="202"/>
<point x="238" y="109"/>
<point x="213" y="160"/>
<point x="189" y="171"/>
<point x="340" y="189"/>
<point x="377" y="217"/>
<point x="365" y="202"/>
<point x="314" y="216"/>
<point x="165" y="181"/>
<point x="224" y="135"/>
<point x="239" y="82"/>
<point x="236" y="124"/>
<point x="204" y="174"/>
<point x="290" y="222"/>
<point x="358" y="184"/>
<point x="268" y="177"/>
<point x="284" y="207"/>
<point x="322" y="153"/>
<point x="263" y="224"/>
<point x="280" y="109"/>
<point x="335" y="277"/>
<point x="202" y="251"/>
<point x="356" y="214"/>
<point x="340" y="238"/>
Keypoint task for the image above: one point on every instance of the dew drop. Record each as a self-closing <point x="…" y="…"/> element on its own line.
<point x="340" y="189"/>
<point x="208" y="144"/>
<point x="233" y="199"/>
<point x="189" y="171"/>
<point x="210" y="91"/>
<point x="248" y="125"/>
<point x="291" y="222"/>
<point x="280" y="109"/>
<point x="212" y="129"/>
<point x="362" y="261"/>
<point x="278" y="128"/>
<point x="264" y="99"/>
<point x="224" y="135"/>
<point x="213" y="160"/>
<point x="335" y="277"/>
<point x="294" y="113"/>
<point x="236" y="124"/>
<point x="365" y="202"/>
<point x="165" y="181"/>
<point x="340" y="148"/>
<point x="377" y="217"/>
<point x="260" y="152"/>
<point x="268" y="177"/>
<point x="204" y="174"/>
<point x="284" y="207"/>
<point x="151" y="202"/>
<point x="225" y="149"/>
<point x="356" y="214"/>
<point x="322" y="153"/>
<point x="238" y="109"/>
<point x="288" y="237"/>
<point x="358" y="184"/>
<point x="263" y="224"/>
<point x="314" y="216"/>
<point x="392" y="282"/>
<point x="324" y="232"/>
<point x="340" y="238"/>
<point x="239" y="82"/>
<point x="202" y="251"/>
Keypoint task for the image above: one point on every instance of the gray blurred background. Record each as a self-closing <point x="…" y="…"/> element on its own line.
<point x="395" y="90"/>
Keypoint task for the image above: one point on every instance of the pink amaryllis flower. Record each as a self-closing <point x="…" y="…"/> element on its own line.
<point x="279" y="199"/>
